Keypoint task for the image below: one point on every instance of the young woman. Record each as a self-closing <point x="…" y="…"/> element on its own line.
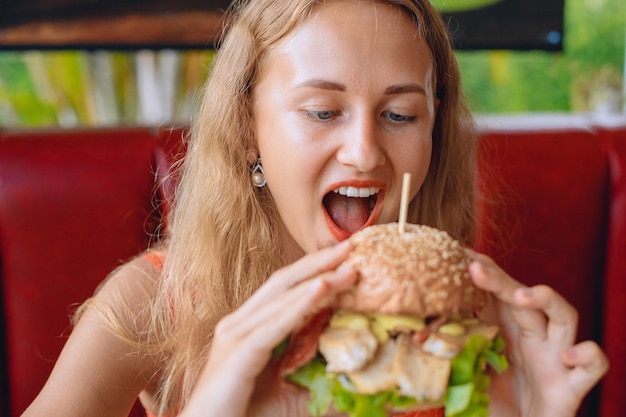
<point x="308" y="104"/>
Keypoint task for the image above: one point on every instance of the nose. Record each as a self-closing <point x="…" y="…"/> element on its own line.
<point x="361" y="146"/>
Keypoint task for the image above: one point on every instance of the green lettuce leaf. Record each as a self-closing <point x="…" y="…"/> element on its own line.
<point x="313" y="376"/>
<point x="466" y="395"/>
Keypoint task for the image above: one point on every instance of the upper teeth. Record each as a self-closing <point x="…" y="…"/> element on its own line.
<point x="356" y="192"/>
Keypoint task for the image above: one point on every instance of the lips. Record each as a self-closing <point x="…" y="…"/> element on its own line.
<point x="349" y="208"/>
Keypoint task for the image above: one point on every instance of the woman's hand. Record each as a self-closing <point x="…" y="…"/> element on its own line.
<point x="549" y="375"/>
<point x="234" y="381"/>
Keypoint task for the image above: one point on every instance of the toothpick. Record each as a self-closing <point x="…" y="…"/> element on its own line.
<point x="404" y="202"/>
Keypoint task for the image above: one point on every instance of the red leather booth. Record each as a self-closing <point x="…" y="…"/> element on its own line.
<point x="74" y="204"/>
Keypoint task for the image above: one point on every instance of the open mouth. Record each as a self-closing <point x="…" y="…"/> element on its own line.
<point x="349" y="209"/>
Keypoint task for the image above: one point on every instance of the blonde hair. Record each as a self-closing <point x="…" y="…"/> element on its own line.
<point x="223" y="232"/>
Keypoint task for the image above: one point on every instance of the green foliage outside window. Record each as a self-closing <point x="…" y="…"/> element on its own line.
<point x="586" y="76"/>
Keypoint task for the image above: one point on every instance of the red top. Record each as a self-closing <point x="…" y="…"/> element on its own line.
<point x="156" y="259"/>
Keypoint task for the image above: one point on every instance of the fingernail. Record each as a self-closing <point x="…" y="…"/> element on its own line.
<point x="479" y="267"/>
<point x="569" y="354"/>
<point x="342" y="245"/>
<point x="527" y="292"/>
<point x="340" y="280"/>
<point x="345" y="268"/>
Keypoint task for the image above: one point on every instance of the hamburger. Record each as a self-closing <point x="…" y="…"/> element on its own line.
<point x="405" y="337"/>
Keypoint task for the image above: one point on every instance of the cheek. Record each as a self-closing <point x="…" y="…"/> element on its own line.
<point x="417" y="164"/>
<point x="291" y="154"/>
<point x="271" y="142"/>
<point x="285" y="164"/>
<point x="416" y="159"/>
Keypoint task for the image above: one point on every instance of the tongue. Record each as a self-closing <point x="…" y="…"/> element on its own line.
<point x="349" y="213"/>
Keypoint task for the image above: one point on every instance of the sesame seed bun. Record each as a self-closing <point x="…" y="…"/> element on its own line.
<point x="422" y="272"/>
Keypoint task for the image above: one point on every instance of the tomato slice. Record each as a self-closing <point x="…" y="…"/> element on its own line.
<point x="302" y="346"/>
<point x="432" y="412"/>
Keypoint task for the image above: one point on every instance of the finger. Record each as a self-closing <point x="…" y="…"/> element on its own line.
<point x="588" y="363"/>
<point x="338" y="280"/>
<point x="562" y="317"/>
<point x="295" y="303"/>
<point x="531" y="323"/>
<point x="301" y="270"/>
<point x="259" y="335"/>
<point x="307" y="297"/>
<point x="275" y="322"/>
<point x="308" y="267"/>
<point x="487" y="275"/>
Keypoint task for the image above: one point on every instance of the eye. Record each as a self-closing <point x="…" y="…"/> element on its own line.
<point x="399" y="118"/>
<point x="321" y="115"/>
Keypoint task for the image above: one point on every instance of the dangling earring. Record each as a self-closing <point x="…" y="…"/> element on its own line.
<point x="257" y="174"/>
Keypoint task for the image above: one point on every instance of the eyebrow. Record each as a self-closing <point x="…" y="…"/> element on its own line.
<point x="334" y="86"/>
<point x="405" y="88"/>
<point x="323" y="84"/>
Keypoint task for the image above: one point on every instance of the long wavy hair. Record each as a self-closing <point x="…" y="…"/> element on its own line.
<point x="223" y="232"/>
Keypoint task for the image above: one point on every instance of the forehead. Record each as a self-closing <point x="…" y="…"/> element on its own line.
<point x="375" y="16"/>
<point x="355" y="34"/>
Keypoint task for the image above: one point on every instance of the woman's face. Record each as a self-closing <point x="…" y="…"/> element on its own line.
<point x="344" y="106"/>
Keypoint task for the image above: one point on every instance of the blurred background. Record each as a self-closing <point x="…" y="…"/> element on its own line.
<point x="579" y="67"/>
